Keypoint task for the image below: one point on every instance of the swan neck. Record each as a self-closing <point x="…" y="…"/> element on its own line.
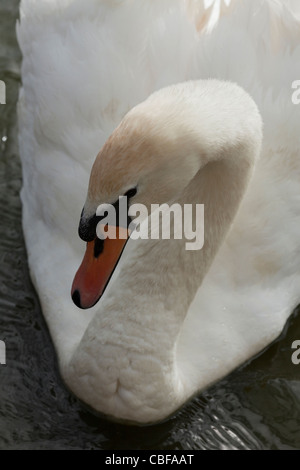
<point x="136" y="330"/>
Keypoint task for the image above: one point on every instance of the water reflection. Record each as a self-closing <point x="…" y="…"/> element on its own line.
<point x="257" y="407"/>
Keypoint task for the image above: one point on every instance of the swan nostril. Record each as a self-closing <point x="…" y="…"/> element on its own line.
<point x="76" y="298"/>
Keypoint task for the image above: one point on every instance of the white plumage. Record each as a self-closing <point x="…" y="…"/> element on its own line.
<point x="85" y="64"/>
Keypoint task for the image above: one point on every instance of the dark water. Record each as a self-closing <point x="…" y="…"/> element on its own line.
<point x="257" y="407"/>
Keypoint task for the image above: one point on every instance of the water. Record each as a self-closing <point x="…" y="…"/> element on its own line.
<point x="256" y="407"/>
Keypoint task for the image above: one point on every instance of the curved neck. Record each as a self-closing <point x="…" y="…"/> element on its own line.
<point x="126" y="364"/>
<point x="141" y="314"/>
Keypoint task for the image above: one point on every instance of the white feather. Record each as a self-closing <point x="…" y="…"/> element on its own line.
<point x="85" y="64"/>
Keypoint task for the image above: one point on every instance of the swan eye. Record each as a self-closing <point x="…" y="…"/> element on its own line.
<point x="131" y="192"/>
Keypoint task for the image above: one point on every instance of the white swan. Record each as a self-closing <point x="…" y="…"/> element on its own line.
<point x="138" y="355"/>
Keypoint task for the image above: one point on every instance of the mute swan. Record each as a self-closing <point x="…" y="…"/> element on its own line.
<point x="141" y="352"/>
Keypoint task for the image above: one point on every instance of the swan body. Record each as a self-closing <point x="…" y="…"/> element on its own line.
<point x="155" y="339"/>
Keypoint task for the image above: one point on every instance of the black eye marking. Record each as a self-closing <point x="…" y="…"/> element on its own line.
<point x="87" y="228"/>
<point x="131" y="192"/>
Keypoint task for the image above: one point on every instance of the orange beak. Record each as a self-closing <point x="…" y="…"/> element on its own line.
<point x="96" y="268"/>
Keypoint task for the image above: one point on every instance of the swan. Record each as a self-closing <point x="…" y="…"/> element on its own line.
<point x="134" y="81"/>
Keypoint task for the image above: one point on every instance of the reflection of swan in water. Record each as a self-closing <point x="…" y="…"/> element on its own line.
<point x="81" y="75"/>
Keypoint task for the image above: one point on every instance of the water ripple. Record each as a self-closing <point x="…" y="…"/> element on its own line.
<point x="257" y="407"/>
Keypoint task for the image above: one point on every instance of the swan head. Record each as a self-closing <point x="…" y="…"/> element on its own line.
<point x="144" y="160"/>
<point x="154" y="154"/>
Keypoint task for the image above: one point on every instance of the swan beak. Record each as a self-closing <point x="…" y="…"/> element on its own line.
<point x="98" y="264"/>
